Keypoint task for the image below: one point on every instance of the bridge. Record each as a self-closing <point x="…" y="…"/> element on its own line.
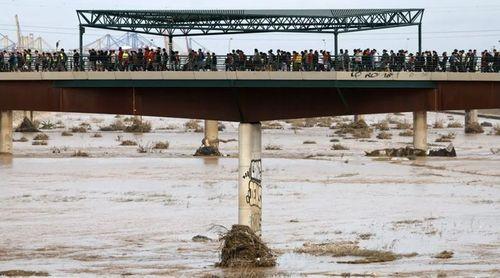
<point x="247" y="97"/>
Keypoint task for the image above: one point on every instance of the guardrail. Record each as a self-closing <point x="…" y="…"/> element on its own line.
<point x="183" y="63"/>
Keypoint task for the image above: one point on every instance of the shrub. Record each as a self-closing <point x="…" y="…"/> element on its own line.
<point x="117" y="125"/>
<point x="438" y="124"/>
<point x="272" y="148"/>
<point x="139" y="126"/>
<point x="41" y="137"/>
<point x="339" y="147"/>
<point x="406" y="133"/>
<point x="128" y="143"/>
<point x="455" y="124"/>
<point x="161" y="145"/>
<point x="382" y="125"/>
<point x="384" y="135"/>
<point x="66" y="133"/>
<point x="39" y="143"/>
<point x="80" y="154"/>
<point x="79" y="129"/>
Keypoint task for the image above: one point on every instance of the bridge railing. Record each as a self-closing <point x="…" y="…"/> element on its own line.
<point x="223" y="63"/>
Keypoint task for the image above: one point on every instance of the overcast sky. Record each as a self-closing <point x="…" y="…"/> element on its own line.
<point x="473" y="24"/>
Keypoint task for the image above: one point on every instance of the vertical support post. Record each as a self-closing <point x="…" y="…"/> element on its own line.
<point x="211" y="134"/>
<point x="31" y="116"/>
<point x="170" y="44"/>
<point x="420" y="130"/>
<point x="472" y="125"/>
<point x="420" y="38"/>
<point x="250" y="176"/>
<point x="82" y="31"/>
<point x="336" y="45"/>
<point x="6" y="132"/>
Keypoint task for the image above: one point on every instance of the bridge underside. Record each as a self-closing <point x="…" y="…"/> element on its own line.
<point x="246" y="103"/>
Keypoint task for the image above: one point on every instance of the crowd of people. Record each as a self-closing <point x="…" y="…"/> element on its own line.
<point x="237" y="60"/>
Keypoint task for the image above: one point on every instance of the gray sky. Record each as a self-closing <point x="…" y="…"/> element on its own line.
<point x="473" y="24"/>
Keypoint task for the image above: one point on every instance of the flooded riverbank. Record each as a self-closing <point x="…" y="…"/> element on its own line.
<point x="121" y="212"/>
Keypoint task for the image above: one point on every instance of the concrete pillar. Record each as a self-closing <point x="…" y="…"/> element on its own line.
<point x="250" y="176"/>
<point x="471" y="117"/>
<point x="358" y="118"/>
<point x="420" y="130"/>
<point x="6" y="132"/>
<point x="211" y="134"/>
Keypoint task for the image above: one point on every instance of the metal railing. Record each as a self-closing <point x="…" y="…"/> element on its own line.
<point x="223" y="63"/>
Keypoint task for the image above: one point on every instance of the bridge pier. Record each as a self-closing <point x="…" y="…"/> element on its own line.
<point x="472" y="122"/>
<point x="6" y="132"/>
<point x="420" y="130"/>
<point x="250" y="176"/>
<point x="211" y="134"/>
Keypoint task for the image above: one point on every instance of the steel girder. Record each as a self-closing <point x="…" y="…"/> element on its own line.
<point x="219" y="22"/>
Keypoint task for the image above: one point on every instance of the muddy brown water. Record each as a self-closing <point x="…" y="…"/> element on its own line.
<point x="119" y="212"/>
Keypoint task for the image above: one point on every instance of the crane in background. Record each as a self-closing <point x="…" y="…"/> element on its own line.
<point x="24" y="42"/>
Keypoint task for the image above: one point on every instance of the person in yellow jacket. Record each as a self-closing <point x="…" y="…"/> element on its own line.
<point x="125" y="60"/>
<point x="297" y="61"/>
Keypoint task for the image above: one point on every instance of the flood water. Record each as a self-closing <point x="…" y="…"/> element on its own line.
<point x="119" y="212"/>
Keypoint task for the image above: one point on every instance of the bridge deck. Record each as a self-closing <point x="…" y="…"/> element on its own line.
<point x="247" y="96"/>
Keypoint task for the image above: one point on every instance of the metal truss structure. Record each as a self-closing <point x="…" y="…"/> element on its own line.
<point x="188" y="23"/>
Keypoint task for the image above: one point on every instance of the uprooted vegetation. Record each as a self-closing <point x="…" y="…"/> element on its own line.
<point x="400" y="152"/>
<point x="339" y="147"/>
<point x="357" y="129"/>
<point x="350" y="249"/>
<point x="272" y="125"/>
<point x="128" y="143"/>
<point x="446" y="138"/>
<point x="382" y="125"/>
<point x="384" y="135"/>
<point x="272" y="148"/>
<point x="80" y="153"/>
<point x="474" y="128"/>
<point x="161" y="145"/>
<point x="21" y="140"/>
<point x="243" y="248"/>
<point x="22" y="273"/>
<point x="455" y="124"/>
<point x="193" y="125"/>
<point x="438" y="124"/>
<point x="139" y="126"/>
<point x="406" y="133"/>
<point x="444" y="255"/>
<point x="27" y="126"/>
<point x="41" y="137"/>
<point x="117" y="125"/>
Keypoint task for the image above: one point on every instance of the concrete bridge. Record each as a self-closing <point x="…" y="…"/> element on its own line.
<point x="248" y="98"/>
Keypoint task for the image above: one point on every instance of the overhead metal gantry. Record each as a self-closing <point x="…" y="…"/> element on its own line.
<point x="176" y="23"/>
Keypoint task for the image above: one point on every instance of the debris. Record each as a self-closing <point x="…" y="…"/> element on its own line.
<point x="138" y="126"/>
<point x="128" y="143"/>
<point x="66" y="133"/>
<point x="495" y="150"/>
<point x="307" y="142"/>
<point x="403" y="125"/>
<point x="143" y="149"/>
<point x="272" y="125"/>
<point x="20" y="273"/>
<point x="200" y="238"/>
<point x="334" y="140"/>
<point x="79" y="129"/>
<point x="243" y="248"/>
<point x="366" y="236"/>
<point x="455" y="124"/>
<point x="348" y="249"/>
<point x="382" y="125"/>
<point x="446" y="138"/>
<point x="80" y="154"/>
<point x="496" y="130"/>
<point x="401" y="152"/>
<point x="39" y="143"/>
<point x="207" y="151"/>
<point x="117" y="125"/>
<point x="339" y="147"/>
<point x="272" y="148"/>
<point x="486" y="124"/>
<point x="294" y="221"/>
<point x="447" y="152"/>
<point x="474" y="128"/>
<point x="193" y="125"/>
<point x="27" y="126"/>
<point x="444" y="255"/>
<point x="384" y="135"/>
<point x="96" y="135"/>
<point x="438" y="124"/>
<point x="22" y="140"/>
<point x="161" y="145"/>
<point x="41" y="137"/>
<point x="406" y="133"/>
